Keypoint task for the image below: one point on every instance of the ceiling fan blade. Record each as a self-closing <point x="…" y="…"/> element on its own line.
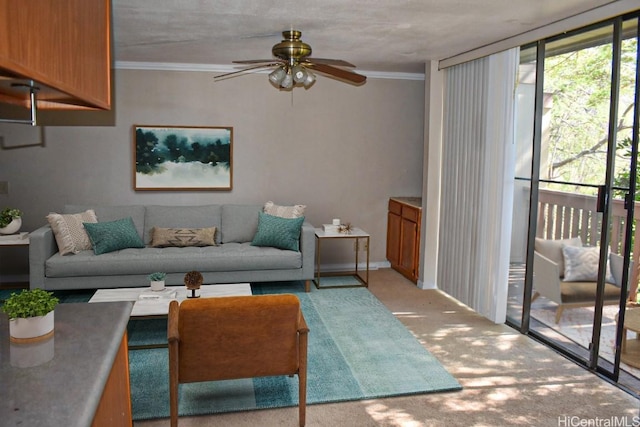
<point x="244" y="70"/>
<point x="337" y="72"/>
<point x="253" y="61"/>
<point x="338" y="62"/>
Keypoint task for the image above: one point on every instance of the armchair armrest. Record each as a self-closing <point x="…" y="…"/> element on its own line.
<point x="173" y="335"/>
<point x="616" y="265"/>
<point x="546" y="278"/>
<point x="42" y="245"/>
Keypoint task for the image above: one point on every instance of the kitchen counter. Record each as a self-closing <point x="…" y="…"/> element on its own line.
<point x="63" y="380"/>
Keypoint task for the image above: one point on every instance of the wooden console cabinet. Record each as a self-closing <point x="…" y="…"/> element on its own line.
<point x="64" y="47"/>
<point x="403" y="235"/>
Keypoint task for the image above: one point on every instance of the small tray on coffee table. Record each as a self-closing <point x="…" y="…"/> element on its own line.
<point x="150" y="294"/>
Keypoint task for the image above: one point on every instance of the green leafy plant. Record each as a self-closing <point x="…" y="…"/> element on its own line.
<point x="29" y="303"/>
<point x="7" y="215"/>
<point x="157" y="276"/>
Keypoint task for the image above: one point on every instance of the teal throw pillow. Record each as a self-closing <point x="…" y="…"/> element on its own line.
<point x="281" y="233"/>
<point x="112" y="236"/>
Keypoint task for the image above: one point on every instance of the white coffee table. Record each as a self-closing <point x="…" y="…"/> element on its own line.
<point x="150" y="303"/>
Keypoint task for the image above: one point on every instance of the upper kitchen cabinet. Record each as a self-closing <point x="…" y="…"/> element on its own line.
<point x="61" y="47"/>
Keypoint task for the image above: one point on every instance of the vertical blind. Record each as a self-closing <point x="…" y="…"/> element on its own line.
<point x="477" y="182"/>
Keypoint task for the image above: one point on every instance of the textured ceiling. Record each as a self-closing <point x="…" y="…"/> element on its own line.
<point x="375" y="35"/>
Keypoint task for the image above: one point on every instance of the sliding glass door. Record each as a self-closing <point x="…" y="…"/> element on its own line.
<point x="574" y="211"/>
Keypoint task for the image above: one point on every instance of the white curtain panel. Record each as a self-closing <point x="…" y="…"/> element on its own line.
<point x="477" y="182"/>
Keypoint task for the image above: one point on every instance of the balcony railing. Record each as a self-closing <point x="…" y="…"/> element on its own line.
<point x="564" y="215"/>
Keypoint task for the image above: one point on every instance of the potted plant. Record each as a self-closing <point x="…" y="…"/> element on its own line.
<point x="30" y="314"/>
<point x="157" y="280"/>
<point x="10" y="220"/>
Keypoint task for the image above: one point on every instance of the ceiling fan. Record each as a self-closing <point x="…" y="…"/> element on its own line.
<point x="295" y="67"/>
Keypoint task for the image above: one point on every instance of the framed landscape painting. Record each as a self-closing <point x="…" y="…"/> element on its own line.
<point x="182" y="158"/>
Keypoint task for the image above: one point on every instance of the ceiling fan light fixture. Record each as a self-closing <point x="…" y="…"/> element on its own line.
<point x="309" y="80"/>
<point x="299" y="73"/>
<point x="294" y="65"/>
<point x="277" y="75"/>
<point x="287" y="81"/>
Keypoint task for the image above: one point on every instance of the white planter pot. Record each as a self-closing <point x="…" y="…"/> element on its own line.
<point x="31" y="328"/>
<point x="157" y="285"/>
<point x="13" y="227"/>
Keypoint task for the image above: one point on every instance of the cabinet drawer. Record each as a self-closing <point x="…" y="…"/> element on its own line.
<point x="410" y="213"/>
<point x="395" y="207"/>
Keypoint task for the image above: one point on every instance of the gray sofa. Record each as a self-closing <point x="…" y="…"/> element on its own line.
<point x="232" y="260"/>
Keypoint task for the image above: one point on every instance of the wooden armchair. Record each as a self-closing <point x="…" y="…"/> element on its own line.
<point x="225" y="338"/>
<point x="547" y="282"/>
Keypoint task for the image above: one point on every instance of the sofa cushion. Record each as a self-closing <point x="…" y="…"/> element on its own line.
<point x="295" y="211"/>
<point x="182" y="237"/>
<point x="579" y="292"/>
<point x="239" y="223"/>
<point x="204" y="216"/>
<point x="227" y="257"/>
<point x="112" y="213"/>
<point x="113" y="235"/>
<point x="69" y="231"/>
<point x="281" y="233"/>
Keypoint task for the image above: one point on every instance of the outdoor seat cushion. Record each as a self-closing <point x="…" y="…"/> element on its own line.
<point x="582" y="292"/>
<point x="227" y="257"/>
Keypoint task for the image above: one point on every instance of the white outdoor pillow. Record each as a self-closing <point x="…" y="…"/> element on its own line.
<point x="581" y="264"/>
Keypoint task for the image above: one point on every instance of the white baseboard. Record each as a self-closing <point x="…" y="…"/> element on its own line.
<point x="426" y="285"/>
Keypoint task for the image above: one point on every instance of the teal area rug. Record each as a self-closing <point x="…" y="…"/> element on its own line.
<point x="357" y="350"/>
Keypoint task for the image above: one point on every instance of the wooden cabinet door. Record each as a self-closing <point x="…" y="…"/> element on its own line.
<point x="393" y="238"/>
<point x="403" y="238"/>
<point x="408" y="247"/>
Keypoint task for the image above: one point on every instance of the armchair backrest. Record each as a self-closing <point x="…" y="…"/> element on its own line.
<point x="236" y="337"/>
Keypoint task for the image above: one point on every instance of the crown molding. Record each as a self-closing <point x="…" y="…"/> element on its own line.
<point x="220" y="68"/>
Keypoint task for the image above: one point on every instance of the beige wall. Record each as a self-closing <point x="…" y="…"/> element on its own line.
<point x="339" y="149"/>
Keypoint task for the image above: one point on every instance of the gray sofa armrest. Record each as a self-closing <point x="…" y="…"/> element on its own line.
<point x="308" y="249"/>
<point x="42" y="245"/>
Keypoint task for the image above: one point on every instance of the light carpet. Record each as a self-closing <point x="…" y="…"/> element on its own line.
<point x="357" y="350"/>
